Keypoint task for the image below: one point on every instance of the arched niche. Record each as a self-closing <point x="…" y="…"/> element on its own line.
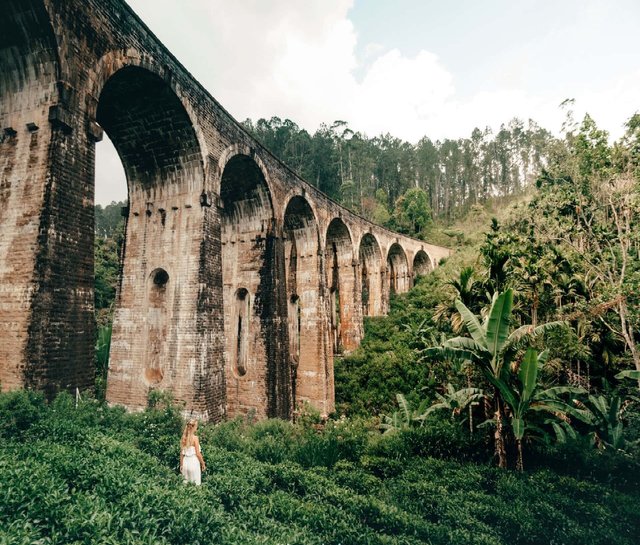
<point x="250" y="262"/>
<point x="158" y="303"/>
<point x="397" y="269"/>
<point x="371" y="279"/>
<point x="156" y="141"/>
<point x="344" y="298"/>
<point x="302" y="266"/>
<point x="240" y="318"/>
<point x="421" y="264"/>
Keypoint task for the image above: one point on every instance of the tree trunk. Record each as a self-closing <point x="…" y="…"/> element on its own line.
<point x="501" y="451"/>
<point x="520" y="462"/>
<point x="470" y="405"/>
<point x="628" y="335"/>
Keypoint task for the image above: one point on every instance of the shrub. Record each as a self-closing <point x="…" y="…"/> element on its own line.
<point x="342" y="482"/>
<point x="19" y="410"/>
<point x="440" y="437"/>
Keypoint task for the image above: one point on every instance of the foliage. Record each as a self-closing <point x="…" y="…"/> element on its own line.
<point x="412" y="214"/>
<point x="604" y="416"/>
<point x="385" y="364"/>
<point x="108" y="220"/>
<point x="456" y="401"/>
<point x="493" y="348"/>
<point x="444" y="177"/>
<point x="406" y="417"/>
<point x="103" y="347"/>
<point x="79" y="475"/>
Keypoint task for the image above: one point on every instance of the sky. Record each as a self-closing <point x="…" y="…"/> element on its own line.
<point x="411" y="68"/>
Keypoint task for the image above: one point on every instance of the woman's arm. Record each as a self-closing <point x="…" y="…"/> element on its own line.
<point x="199" y="454"/>
<point x="181" y="459"/>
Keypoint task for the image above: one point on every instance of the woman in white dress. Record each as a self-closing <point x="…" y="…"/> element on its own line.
<point x="191" y="460"/>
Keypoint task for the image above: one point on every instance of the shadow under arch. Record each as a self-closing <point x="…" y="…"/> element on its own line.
<point x="397" y="270"/>
<point x="370" y="257"/>
<point x="307" y="333"/>
<point x="152" y="133"/>
<point x="29" y="58"/>
<point x="346" y="326"/>
<point x="421" y="264"/>
<point x="251" y="260"/>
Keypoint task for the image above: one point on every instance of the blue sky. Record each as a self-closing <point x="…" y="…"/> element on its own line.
<point x="408" y="67"/>
<point x="544" y="45"/>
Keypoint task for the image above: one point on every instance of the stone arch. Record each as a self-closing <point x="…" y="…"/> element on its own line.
<point x="114" y="61"/>
<point x="152" y="133"/>
<point x="251" y="260"/>
<point x="344" y="297"/>
<point x="371" y="278"/>
<point x="310" y="376"/>
<point x="235" y="150"/>
<point x="397" y="269"/>
<point x="421" y="264"/>
<point x="157" y="143"/>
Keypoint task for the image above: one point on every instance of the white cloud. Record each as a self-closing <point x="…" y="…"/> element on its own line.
<point x="298" y="60"/>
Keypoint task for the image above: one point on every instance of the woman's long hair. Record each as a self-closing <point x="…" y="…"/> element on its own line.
<point x="189" y="433"/>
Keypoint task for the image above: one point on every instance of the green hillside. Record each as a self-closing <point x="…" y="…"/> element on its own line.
<point x="97" y="475"/>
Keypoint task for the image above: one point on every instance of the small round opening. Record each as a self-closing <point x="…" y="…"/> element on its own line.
<point x="160" y="278"/>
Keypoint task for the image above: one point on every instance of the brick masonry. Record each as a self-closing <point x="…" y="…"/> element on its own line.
<point x="239" y="280"/>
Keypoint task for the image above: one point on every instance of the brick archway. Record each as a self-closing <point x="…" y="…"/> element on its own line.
<point x="70" y="69"/>
<point x="371" y="275"/>
<point x="251" y="261"/>
<point x="421" y="264"/>
<point x="342" y="282"/>
<point x="313" y="376"/>
<point x="397" y="269"/>
<point x="157" y="144"/>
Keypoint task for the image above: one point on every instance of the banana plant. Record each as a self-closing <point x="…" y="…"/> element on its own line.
<point x="630" y="373"/>
<point x="493" y="348"/>
<point x="604" y="416"/>
<point x="406" y="417"/>
<point x="454" y="400"/>
<point x="525" y="398"/>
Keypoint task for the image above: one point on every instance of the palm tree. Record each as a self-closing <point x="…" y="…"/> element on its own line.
<point x="467" y="290"/>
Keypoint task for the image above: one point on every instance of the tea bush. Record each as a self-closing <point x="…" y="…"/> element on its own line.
<point x="95" y="474"/>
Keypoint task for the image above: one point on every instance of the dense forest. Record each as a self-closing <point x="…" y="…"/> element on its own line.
<point x="496" y="403"/>
<point x="383" y="178"/>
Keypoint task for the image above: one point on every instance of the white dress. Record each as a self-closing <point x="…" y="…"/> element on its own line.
<point x="190" y="465"/>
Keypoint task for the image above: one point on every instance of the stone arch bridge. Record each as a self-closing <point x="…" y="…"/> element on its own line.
<point x="239" y="280"/>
